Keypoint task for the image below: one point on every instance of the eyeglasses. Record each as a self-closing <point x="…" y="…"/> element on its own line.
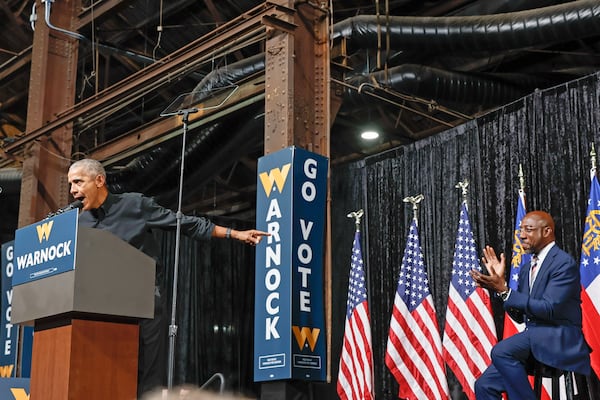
<point x="529" y="229"/>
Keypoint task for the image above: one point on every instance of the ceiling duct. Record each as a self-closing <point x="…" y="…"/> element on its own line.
<point x="10" y="181"/>
<point x="507" y="31"/>
<point x="483" y="33"/>
<point x="443" y="86"/>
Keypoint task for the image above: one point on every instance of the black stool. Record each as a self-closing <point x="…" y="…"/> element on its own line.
<point x="541" y="371"/>
<point x="544" y="371"/>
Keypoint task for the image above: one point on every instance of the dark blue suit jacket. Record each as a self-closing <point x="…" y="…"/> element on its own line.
<point x="552" y="312"/>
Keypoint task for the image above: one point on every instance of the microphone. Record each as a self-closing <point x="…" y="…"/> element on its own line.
<point x="76" y="204"/>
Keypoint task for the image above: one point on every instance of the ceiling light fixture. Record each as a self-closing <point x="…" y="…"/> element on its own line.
<point x="369" y="134"/>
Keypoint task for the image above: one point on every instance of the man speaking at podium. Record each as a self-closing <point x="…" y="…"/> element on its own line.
<point x="131" y="217"/>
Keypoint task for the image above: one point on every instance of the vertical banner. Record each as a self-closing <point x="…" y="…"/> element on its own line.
<point x="10" y="333"/>
<point x="289" y="323"/>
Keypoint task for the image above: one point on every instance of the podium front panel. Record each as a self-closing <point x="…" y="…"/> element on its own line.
<point x="110" y="278"/>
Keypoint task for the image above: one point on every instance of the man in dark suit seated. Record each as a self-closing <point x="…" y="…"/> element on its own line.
<point x="547" y="301"/>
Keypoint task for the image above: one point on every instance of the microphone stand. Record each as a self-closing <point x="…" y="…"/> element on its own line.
<point x="182" y="106"/>
<point x="173" y="327"/>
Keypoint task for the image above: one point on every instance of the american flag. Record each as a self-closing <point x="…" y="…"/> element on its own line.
<point x="414" y="347"/>
<point x="590" y="275"/>
<point x="355" y="377"/>
<point x="519" y="258"/>
<point x="469" y="333"/>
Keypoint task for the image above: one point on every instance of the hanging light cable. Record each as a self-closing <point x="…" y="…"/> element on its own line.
<point x="159" y="29"/>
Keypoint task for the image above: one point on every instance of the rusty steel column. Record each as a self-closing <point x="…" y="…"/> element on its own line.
<point x="297" y="78"/>
<point x="44" y="184"/>
<point x="297" y="98"/>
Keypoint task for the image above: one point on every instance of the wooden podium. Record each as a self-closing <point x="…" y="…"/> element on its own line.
<point x="85" y="343"/>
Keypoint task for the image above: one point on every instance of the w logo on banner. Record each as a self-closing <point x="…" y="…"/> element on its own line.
<point x="305" y="334"/>
<point x="275" y="176"/>
<point x="43" y="230"/>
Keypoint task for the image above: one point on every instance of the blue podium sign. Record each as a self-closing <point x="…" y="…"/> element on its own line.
<point x="45" y="248"/>
<point x="289" y="325"/>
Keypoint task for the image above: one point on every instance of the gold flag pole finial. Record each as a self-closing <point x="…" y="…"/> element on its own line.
<point x="357" y="215"/>
<point x="521" y="177"/>
<point x="414" y="200"/>
<point x="593" y="159"/>
<point x="463" y="187"/>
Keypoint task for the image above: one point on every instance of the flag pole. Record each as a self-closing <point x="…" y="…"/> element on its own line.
<point x="518" y="257"/>
<point x="414" y="347"/>
<point x="521" y="178"/>
<point x="470" y="331"/>
<point x="414" y="200"/>
<point x="463" y="187"/>
<point x="355" y="374"/>
<point x="357" y="215"/>
<point x="593" y="160"/>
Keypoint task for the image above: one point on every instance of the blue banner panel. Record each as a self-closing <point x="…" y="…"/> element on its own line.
<point x="308" y="247"/>
<point x="273" y="284"/>
<point x="45" y="248"/>
<point x="289" y="323"/>
<point x="14" y="389"/>
<point x="9" y="334"/>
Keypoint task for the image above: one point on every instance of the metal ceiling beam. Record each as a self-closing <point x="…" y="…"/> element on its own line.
<point x="122" y="36"/>
<point x="158" y="131"/>
<point x="15" y="64"/>
<point x="97" y="12"/>
<point x="158" y="74"/>
<point x="15" y="24"/>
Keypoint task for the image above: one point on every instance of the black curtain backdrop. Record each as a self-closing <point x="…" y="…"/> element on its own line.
<point x="550" y="133"/>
